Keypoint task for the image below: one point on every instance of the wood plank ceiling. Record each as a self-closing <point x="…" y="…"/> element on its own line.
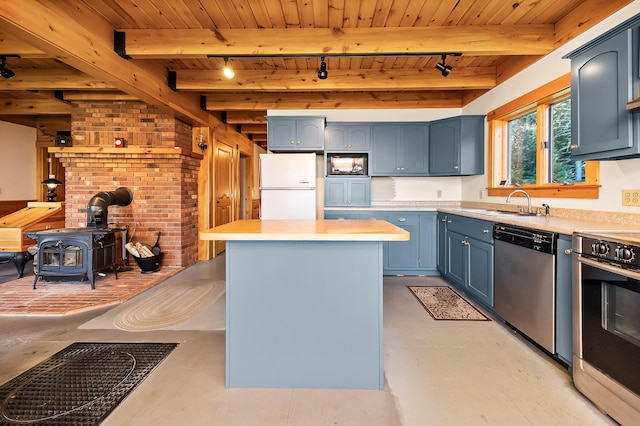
<point x="378" y="53"/>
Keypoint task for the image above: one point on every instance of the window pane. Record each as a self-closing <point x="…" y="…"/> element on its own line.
<point x="562" y="169"/>
<point x="522" y="150"/>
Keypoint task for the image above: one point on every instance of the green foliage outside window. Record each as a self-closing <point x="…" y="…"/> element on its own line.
<point x="523" y="154"/>
<point x="562" y="169"/>
<point x="522" y="150"/>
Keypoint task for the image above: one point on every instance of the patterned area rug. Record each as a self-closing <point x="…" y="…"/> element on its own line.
<point x="80" y="385"/>
<point x="443" y="303"/>
<point x="173" y="304"/>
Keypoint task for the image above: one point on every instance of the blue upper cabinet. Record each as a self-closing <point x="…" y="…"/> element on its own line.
<point x="400" y="150"/>
<point x="295" y="133"/>
<point x="347" y="137"/>
<point x="456" y="146"/>
<point x="347" y="192"/>
<point x="604" y="78"/>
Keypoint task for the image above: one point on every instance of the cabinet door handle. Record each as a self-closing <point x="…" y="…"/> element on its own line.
<point x="455" y="167"/>
<point x="402" y="219"/>
<point x="298" y="142"/>
<point x="443" y="220"/>
<point x="485" y="231"/>
<point x="573" y="146"/>
<point x="568" y="251"/>
<point x="449" y="221"/>
<point x="292" y="142"/>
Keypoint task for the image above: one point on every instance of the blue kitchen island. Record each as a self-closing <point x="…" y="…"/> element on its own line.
<point x="304" y="302"/>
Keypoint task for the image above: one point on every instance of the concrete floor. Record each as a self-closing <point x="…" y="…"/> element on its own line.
<point x="437" y="373"/>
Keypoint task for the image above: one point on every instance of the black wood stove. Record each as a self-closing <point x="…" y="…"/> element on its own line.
<point x="79" y="254"/>
<point x="75" y="254"/>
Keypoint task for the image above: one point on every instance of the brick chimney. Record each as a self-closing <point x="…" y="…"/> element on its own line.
<point x="156" y="164"/>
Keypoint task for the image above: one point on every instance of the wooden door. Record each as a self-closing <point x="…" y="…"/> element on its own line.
<point x="223" y="188"/>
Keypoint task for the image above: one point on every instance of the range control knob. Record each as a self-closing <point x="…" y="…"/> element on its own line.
<point x="624" y="253"/>
<point x="600" y="248"/>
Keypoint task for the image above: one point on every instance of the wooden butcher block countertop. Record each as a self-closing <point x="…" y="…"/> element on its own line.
<point x="306" y="230"/>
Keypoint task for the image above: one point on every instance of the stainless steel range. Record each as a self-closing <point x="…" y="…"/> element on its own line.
<point x="606" y="322"/>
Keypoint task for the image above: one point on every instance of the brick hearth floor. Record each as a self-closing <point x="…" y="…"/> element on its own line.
<point x="18" y="297"/>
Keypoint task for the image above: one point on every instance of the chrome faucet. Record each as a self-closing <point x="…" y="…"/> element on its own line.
<point x="526" y="195"/>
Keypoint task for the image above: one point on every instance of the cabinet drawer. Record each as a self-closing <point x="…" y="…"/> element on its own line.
<point x="475" y="228"/>
<point x="403" y="219"/>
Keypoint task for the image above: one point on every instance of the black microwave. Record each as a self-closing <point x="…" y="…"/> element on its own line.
<point x="347" y="164"/>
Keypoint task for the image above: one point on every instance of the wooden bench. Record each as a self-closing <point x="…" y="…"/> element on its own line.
<point x="37" y="216"/>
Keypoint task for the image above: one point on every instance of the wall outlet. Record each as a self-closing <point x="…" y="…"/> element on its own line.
<point x="439" y="193"/>
<point x="631" y="197"/>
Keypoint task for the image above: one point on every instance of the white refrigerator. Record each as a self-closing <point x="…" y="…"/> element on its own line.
<point x="288" y="186"/>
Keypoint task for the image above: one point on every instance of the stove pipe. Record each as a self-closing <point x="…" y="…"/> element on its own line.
<point x="97" y="212"/>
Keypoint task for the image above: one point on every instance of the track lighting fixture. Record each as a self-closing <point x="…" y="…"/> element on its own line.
<point x="322" y="72"/>
<point x="227" y="70"/>
<point x="4" y="71"/>
<point x="444" y="69"/>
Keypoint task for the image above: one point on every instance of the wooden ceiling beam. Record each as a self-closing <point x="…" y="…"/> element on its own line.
<point x="97" y="95"/>
<point x="253" y="128"/>
<point x="259" y="138"/>
<point x="33" y="107"/>
<point x="484" y="40"/>
<point x="10" y="45"/>
<point x="587" y="14"/>
<point x="350" y="80"/>
<point x="51" y="79"/>
<point x="246" y="116"/>
<point x="23" y="120"/>
<point x="80" y="38"/>
<point x="326" y="100"/>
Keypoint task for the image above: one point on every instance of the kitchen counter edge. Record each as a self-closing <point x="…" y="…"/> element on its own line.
<point x="306" y="230"/>
<point x="561" y="225"/>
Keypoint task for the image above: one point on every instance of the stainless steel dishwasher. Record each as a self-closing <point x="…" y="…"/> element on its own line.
<point x="525" y="285"/>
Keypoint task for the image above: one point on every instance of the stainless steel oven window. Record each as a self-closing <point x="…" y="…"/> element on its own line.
<point x="621" y="312"/>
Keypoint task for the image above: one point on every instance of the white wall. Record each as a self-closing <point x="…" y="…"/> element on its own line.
<point x="17" y="162"/>
<point x="614" y="175"/>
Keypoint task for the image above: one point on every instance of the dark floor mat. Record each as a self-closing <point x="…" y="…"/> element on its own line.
<point x="79" y="385"/>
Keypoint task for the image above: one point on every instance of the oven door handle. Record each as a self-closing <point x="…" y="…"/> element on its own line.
<point x="609" y="268"/>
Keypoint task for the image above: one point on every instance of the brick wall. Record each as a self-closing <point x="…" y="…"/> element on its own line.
<point x="99" y="123"/>
<point x="164" y="185"/>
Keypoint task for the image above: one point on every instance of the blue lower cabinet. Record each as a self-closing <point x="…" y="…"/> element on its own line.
<point x="403" y="255"/>
<point x="427" y="250"/>
<point x="564" y="303"/>
<point x="456" y="262"/>
<point x="479" y="280"/>
<point x="414" y="257"/>
<point x="341" y="215"/>
<point x="441" y="243"/>
<point x="466" y="255"/>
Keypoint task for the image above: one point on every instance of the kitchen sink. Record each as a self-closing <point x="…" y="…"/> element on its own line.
<point x="500" y="212"/>
<point x="513" y="213"/>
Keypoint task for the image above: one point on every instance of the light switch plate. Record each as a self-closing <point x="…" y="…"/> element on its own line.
<point x="631" y="197"/>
